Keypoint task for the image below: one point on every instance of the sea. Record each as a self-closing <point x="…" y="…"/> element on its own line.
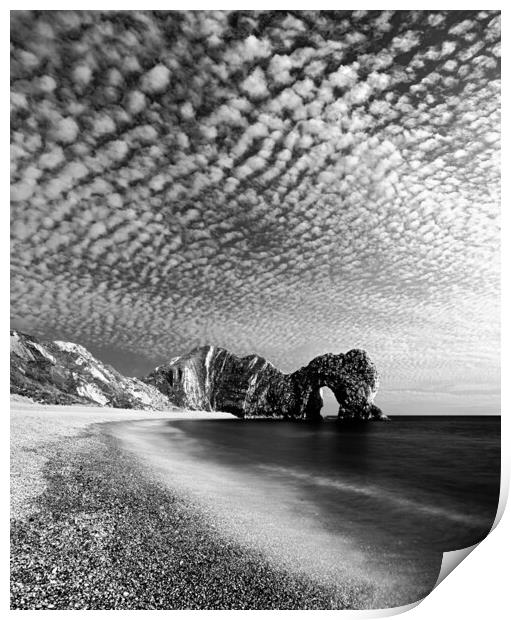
<point x="378" y="502"/>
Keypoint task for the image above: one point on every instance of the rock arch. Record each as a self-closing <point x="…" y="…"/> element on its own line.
<point x="353" y="379"/>
<point x="211" y="378"/>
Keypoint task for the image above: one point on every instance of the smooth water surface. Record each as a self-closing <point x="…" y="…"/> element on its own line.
<point x="382" y="500"/>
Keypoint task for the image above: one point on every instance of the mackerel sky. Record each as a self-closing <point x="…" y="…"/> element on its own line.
<point x="285" y="183"/>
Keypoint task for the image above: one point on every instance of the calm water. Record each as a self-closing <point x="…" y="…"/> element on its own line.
<point x="426" y="481"/>
<point x="384" y="500"/>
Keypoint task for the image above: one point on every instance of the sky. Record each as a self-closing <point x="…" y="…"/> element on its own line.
<point x="280" y="183"/>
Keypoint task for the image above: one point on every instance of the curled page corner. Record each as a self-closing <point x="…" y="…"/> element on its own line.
<point x="396" y="611"/>
<point x="450" y="561"/>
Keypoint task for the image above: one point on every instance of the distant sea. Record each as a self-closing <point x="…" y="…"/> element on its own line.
<point x="381" y="501"/>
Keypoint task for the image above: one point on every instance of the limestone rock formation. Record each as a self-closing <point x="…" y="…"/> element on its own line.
<point x="66" y="373"/>
<point x="212" y="379"/>
<point x="208" y="378"/>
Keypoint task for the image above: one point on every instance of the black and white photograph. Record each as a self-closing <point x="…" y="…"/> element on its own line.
<point x="254" y="305"/>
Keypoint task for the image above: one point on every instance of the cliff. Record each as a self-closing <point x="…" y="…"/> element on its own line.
<point x="57" y="372"/>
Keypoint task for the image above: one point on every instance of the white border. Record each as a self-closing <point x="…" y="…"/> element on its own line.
<point x="479" y="586"/>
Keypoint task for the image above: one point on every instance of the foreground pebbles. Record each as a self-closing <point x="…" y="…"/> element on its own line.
<point x="105" y="536"/>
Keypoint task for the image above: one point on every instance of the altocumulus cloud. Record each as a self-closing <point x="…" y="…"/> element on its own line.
<point x="271" y="182"/>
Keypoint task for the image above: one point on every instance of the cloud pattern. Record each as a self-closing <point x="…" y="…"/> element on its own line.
<point x="286" y="183"/>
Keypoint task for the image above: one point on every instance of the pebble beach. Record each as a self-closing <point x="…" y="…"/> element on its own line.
<point x="92" y="529"/>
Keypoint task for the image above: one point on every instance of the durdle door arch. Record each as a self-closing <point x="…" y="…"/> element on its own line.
<point x="212" y="378"/>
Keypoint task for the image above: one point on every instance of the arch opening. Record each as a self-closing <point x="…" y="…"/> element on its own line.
<point x="330" y="407"/>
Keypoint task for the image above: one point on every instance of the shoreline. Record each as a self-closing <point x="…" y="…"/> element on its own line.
<point x="97" y="530"/>
<point x="36" y="430"/>
<point x="267" y="518"/>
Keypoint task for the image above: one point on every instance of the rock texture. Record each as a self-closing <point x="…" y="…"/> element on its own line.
<point x="208" y="378"/>
<point x="213" y="379"/>
<point x="66" y="373"/>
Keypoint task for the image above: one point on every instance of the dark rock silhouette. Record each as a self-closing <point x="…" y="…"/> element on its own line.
<point x="211" y="378"/>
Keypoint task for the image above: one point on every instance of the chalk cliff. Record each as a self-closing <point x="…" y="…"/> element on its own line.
<point x="57" y="372"/>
